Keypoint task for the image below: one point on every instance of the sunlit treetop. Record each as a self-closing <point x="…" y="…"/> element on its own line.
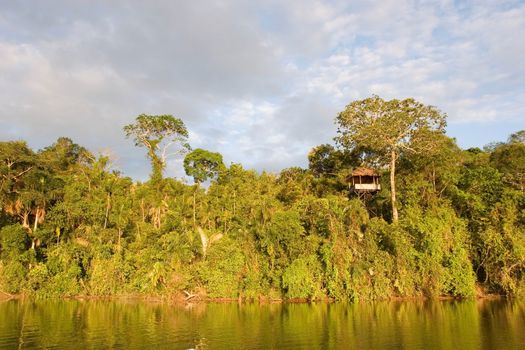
<point x="158" y="133"/>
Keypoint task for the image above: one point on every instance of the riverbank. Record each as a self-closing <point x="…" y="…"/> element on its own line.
<point x="183" y="298"/>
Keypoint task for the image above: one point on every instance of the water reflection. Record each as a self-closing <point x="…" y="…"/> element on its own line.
<point x="388" y="325"/>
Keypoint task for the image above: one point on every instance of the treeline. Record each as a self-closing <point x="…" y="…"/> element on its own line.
<point x="454" y="226"/>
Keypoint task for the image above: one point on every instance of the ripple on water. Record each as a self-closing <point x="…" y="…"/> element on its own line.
<point x="115" y="325"/>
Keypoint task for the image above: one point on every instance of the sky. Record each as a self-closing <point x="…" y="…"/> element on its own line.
<point x="261" y="82"/>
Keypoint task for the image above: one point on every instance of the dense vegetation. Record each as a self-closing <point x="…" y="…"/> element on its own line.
<point x="71" y="226"/>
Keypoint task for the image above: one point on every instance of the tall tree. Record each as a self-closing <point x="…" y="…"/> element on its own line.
<point x="509" y="159"/>
<point x="158" y="133"/>
<point x="202" y="165"/>
<point x="517" y="137"/>
<point x="390" y="128"/>
<point x="17" y="162"/>
<point x="64" y="156"/>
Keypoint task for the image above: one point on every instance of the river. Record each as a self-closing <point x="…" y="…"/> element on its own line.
<point x="75" y="324"/>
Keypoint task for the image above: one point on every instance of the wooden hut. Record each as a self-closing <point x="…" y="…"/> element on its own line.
<point x="364" y="181"/>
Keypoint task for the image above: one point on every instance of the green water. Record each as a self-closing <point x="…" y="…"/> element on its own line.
<point x="136" y="325"/>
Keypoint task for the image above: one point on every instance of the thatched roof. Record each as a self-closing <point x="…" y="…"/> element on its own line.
<point x="362" y="171"/>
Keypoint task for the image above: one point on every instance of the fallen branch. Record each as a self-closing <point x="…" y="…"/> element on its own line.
<point x="10" y="296"/>
<point x="189" y="295"/>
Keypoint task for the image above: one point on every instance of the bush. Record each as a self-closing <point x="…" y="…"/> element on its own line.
<point x="105" y="277"/>
<point x="12" y="276"/>
<point x="302" y="279"/>
<point x="37" y="278"/>
<point x="13" y="240"/>
<point x="222" y="271"/>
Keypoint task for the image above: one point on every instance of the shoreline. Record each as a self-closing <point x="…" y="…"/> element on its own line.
<point x="180" y="300"/>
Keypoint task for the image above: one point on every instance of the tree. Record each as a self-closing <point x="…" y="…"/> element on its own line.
<point x="390" y="128"/>
<point x="65" y="156"/>
<point x="517" y="137"/>
<point x="509" y="159"/>
<point x="431" y="175"/>
<point x="158" y="133"/>
<point x="202" y="164"/>
<point x="17" y="161"/>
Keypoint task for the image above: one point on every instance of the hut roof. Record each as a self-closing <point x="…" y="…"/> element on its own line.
<point x="362" y="171"/>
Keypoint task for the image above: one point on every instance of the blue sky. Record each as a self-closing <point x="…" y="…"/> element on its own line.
<point x="259" y="81"/>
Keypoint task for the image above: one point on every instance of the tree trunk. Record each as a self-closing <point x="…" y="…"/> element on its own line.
<point x="395" y="215"/>
<point x="119" y="238"/>
<point x="157" y="218"/>
<point x="35" y="223"/>
<point x="195" y="205"/>
<point x="108" y="207"/>
<point x="234" y="197"/>
<point x="25" y="221"/>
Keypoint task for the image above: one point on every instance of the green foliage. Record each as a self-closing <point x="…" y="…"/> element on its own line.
<point x="517" y="137"/>
<point x="389" y="128"/>
<point x="509" y="159"/>
<point x="383" y="125"/>
<point x="440" y="242"/>
<point x="37" y="279"/>
<point x="12" y="276"/>
<point x="282" y="240"/>
<point x="326" y="160"/>
<point x="222" y="272"/>
<point x="106" y="276"/>
<point x="71" y="226"/>
<point x="499" y="249"/>
<point x="203" y="165"/>
<point x="66" y="265"/>
<point x="157" y="133"/>
<point x="13" y="240"/>
<point x="302" y="279"/>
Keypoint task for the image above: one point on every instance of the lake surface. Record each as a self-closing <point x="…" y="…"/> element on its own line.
<point x="386" y="325"/>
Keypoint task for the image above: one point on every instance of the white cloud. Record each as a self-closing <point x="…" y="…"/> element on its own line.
<point x="260" y="82"/>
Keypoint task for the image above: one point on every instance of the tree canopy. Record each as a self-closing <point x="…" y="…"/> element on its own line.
<point x="71" y="226"/>
<point x="158" y="133"/>
<point x="203" y="165"/>
<point x="389" y="128"/>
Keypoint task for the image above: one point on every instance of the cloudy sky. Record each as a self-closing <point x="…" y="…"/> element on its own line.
<point x="259" y="81"/>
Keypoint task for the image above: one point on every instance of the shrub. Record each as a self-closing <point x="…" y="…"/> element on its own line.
<point x="222" y="271"/>
<point x="13" y="239"/>
<point x="302" y="279"/>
